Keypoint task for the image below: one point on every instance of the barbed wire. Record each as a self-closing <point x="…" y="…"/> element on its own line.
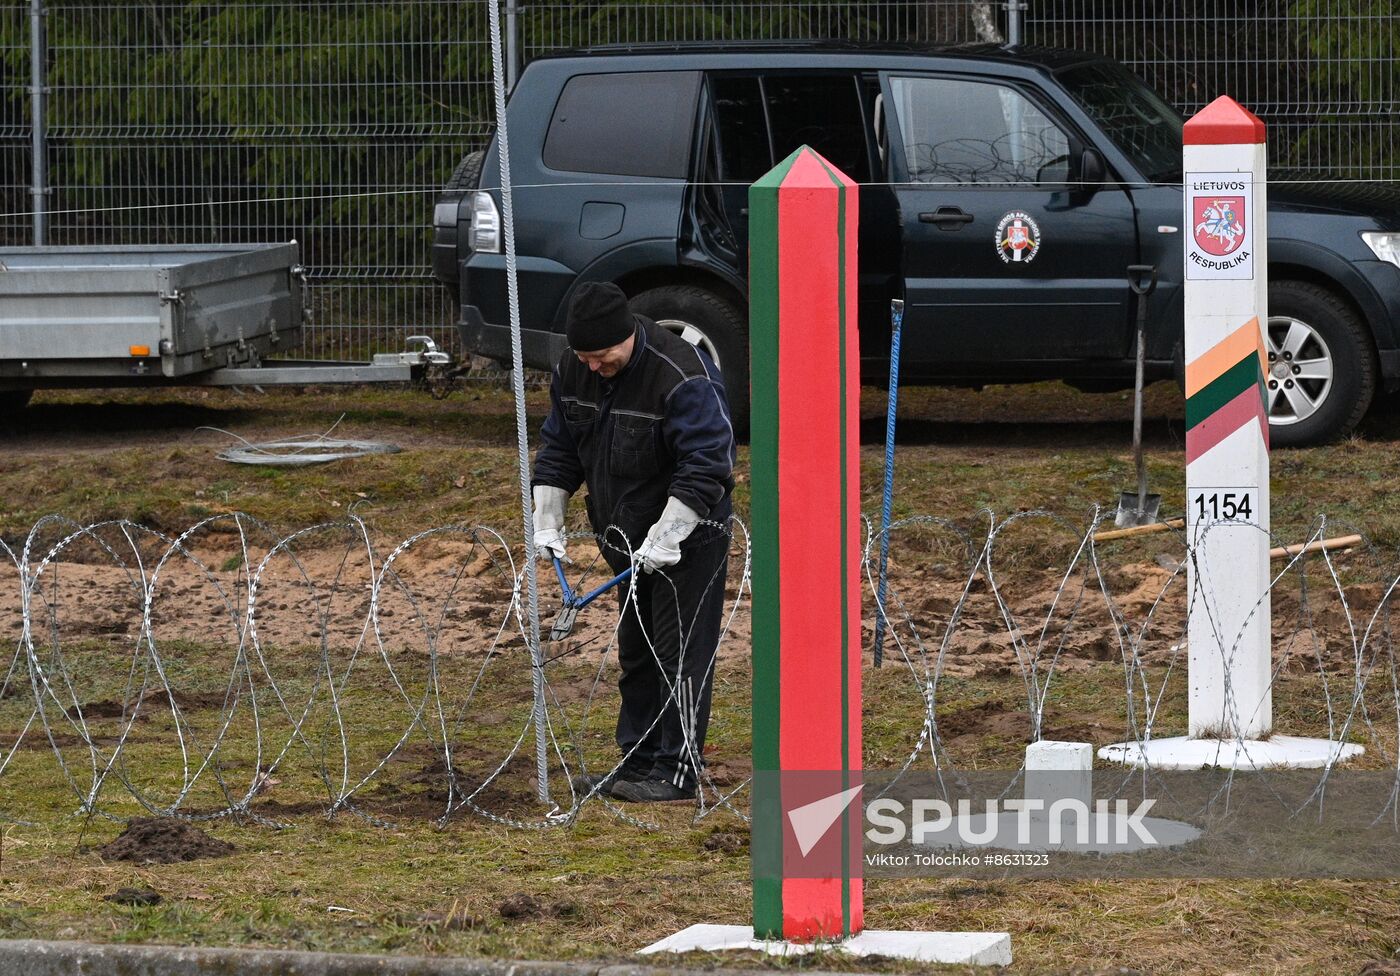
<point x="1353" y="658"/>
<point x="230" y="671"/>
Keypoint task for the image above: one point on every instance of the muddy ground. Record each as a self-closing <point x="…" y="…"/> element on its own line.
<point x="453" y="594"/>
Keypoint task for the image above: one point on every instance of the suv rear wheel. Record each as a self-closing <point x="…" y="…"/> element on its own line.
<point x="711" y="323"/>
<point x="464" y="179"/>
<point x="1322" y="369"/>
<point x="467" y="173"/>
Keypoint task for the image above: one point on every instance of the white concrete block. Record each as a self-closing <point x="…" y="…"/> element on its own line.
<point x="965" y="948"/>
<point x="1060" y="756"/>
<point x="1059" y="771"/>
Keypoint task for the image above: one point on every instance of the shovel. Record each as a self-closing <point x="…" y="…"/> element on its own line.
<point x="573" y="602"/>
<point x="1138" y="507"/>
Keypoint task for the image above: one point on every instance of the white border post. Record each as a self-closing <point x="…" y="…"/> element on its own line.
<point x="1227" y="424"/>
<point x="1229" y="659"/>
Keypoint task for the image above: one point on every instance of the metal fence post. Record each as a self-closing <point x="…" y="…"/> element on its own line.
<point x="1015" y="20"/>
<point x="38" y="188"/>
<point x="512" y="44"/>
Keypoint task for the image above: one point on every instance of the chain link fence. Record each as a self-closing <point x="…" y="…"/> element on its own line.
<point x="335" y="122"/>
<point x="331" y="123"/>
<point x="1322" y="74"/>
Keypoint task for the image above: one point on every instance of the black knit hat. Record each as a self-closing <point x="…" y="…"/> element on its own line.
<point x="598" y="317"/>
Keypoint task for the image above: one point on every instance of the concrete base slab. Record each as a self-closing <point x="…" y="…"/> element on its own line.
<point x="1275" y="752"/>
<point x="967" y="948"/>
<point x="1104" y="833"/>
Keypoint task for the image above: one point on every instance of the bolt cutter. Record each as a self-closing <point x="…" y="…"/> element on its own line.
<point x="574" y="602"/>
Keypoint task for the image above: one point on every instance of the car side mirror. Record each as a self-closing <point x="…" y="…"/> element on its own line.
<point x="1090" y="174"/>
<point x="1092" y="171"/>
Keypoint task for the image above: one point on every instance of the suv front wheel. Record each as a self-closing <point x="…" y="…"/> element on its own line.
<point x="712" y="324"/>
<point x="1322" y="369"/>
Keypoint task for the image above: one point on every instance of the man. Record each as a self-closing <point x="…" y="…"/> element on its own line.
<point x="639" y="416"/>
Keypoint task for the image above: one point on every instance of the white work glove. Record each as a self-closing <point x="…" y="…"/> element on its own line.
<point x="662" y="547"/>
<point x="550" y="541"/>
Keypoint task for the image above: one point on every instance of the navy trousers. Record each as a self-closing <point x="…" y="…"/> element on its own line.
<point x="666" y="648"/>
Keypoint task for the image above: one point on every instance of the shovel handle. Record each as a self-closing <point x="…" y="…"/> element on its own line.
<point x="1142" y="278"/>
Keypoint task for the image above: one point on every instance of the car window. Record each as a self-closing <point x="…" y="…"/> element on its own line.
<point x="632" y="124"/>
<point x="821" y="111"/>
<point x="744" y="153"/>
<point x="1135" y="117"/>
<point x="958" y="131"/>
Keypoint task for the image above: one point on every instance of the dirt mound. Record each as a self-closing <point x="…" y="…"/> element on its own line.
<point x="154" y="701"/>
<point x="523" y="906"/>
<point x="725" y="774"/>
<point x="422" y="793"/>
<point x="968" y="727"/>
<point x="437" y="775"/>
<point x="107" y="708"/>
<point x="725" y="842"/>
<point x="163" y="840"/>
<point x="135" y="897"/>
<point x="1381" y="967"/>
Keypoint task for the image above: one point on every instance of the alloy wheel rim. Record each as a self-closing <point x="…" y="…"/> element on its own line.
<point x="692" y="335"/>
<point x="1300" y="371"/>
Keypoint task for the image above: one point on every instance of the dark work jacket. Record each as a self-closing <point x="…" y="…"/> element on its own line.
<point x="659" y="427"/>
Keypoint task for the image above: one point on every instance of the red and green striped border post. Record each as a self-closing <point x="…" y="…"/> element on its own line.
<point x="1227" y="422"/>
<point x="805" y="366"/>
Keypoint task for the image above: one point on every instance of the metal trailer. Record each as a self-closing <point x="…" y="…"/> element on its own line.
<point x="206" y="315"/>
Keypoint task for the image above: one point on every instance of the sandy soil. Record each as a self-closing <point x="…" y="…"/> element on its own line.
<point x="452" y="592"/>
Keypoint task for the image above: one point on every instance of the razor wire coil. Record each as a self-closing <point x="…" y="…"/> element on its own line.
<point x="382" y="674"/>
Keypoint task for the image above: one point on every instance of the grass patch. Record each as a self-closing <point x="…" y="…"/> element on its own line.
<point x="604" y="887"/>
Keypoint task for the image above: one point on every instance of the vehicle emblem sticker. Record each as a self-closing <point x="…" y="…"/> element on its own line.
<point x="1018" y="238"/>
<point x="1217" y="211"/>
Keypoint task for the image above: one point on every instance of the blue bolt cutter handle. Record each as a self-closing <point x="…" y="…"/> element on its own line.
<point x="573" y="603"/>
<point x="621" y="577"/>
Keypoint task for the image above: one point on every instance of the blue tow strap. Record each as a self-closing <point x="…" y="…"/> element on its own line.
<point x="896" y="321"/>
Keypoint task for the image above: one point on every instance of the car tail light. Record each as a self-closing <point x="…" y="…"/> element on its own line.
<point x="485" y="233"/>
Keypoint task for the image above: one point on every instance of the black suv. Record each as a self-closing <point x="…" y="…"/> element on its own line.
<point x="1004" y="193"/>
